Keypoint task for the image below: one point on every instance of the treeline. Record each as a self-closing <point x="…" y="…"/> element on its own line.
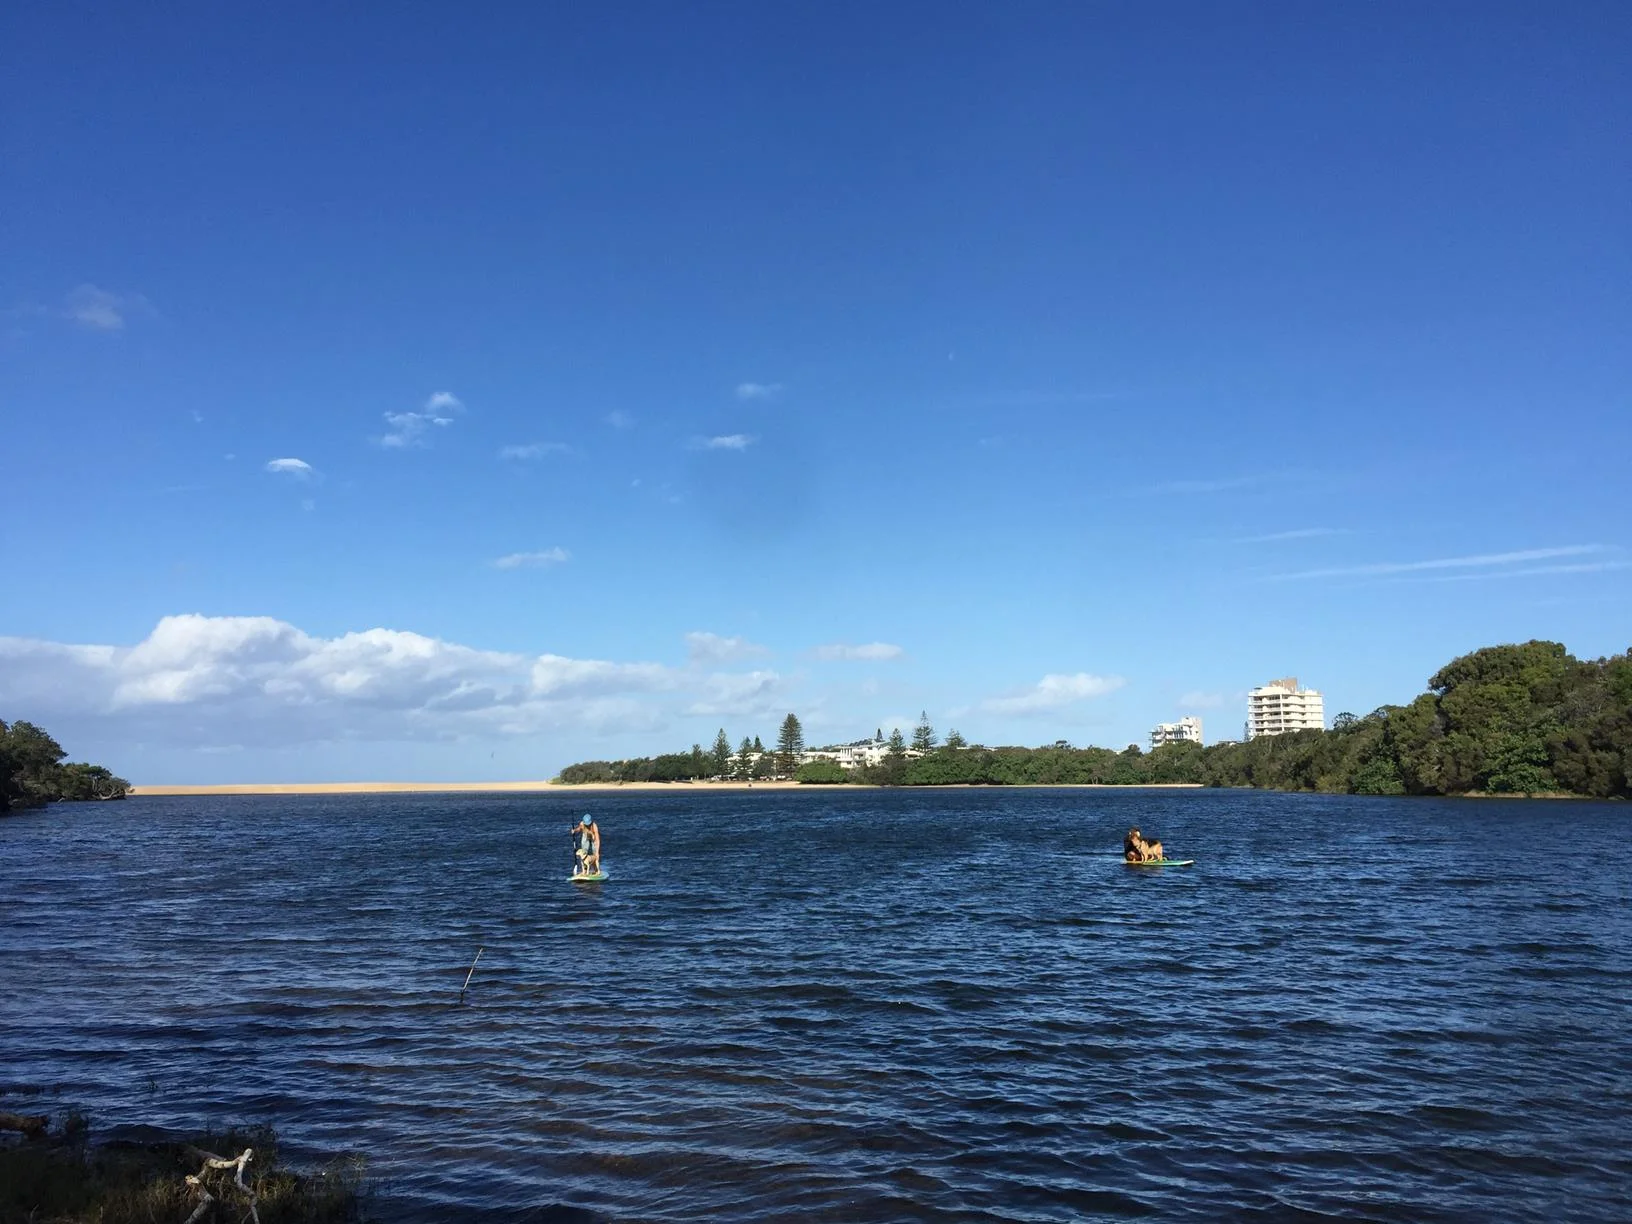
<point x="749" y="761"/>
<point x="1527" y="719"/>
<point x="32" y="772"/>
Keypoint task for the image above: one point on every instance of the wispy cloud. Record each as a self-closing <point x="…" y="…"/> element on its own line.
<point x="1201" y="701"/>
<point x="1478" y="561"/>
<point x="410" y="428"/>
<point x="1300" y="533"/>
<point x="758" y="391"/>
<point x="1052" y="692"/>
<point x="1218" y="485"/>
<point x="1583" y="567"/>
<point x="712" y="648"/>
<point x="198" y="417"/>
<point x="734" y="442"/>
<point x="756" y="693"/>
<point x="100" y="310"/>
<point x="533" y="450"/>
<point x="298" y="468"/>
<point x="532" y="560"/>
<point x="870" y="652"/>
<point x="620" y="420"/>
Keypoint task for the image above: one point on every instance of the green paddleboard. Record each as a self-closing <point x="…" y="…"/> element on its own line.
<point x="1163" y="863"/>
<point x="594" y="878"/>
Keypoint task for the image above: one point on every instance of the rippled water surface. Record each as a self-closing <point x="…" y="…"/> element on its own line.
<point x="953" y="1005"/>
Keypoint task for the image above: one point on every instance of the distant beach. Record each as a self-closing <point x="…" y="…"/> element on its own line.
<point x="431" y="788"/>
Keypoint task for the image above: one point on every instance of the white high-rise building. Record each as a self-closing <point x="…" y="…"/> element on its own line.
<point x="1281" y="706"/>
<point x="1187" y="728"/>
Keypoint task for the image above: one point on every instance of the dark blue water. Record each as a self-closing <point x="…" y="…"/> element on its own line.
<point x="953" y="1005"/>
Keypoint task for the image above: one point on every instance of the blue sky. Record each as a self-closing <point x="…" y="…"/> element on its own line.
<point x="438" y="372"/>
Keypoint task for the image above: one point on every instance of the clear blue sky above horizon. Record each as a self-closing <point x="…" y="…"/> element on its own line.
<point x="475" y="391"/>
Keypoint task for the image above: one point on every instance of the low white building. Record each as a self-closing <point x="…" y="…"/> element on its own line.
<point x="858" y="754"/>
<point x="1281" y="706"/>
<point x="1186" y="730"/>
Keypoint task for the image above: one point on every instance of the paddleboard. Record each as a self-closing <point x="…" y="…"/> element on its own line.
<point x="1163" y="863"/>
<point x="593" y="878"/>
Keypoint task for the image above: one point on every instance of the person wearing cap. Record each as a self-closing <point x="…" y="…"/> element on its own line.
<point x="589" y="845"/>
<point x="1137" y="850"/>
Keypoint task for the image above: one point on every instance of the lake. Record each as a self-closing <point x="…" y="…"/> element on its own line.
<point x="861" y="1006"/>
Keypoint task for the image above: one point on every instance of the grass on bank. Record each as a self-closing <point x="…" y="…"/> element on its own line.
<point x="64" y="1179"/>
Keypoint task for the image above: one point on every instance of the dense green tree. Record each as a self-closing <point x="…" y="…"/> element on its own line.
<point x="744" y="766"/>
<point x="32" y="772"/>
<point x="790" y="743"/>
<point x="923" y="735"/>
<point x="954" y="740"/>
<point x="719" y="759"/>
<point x="825" y="772"/>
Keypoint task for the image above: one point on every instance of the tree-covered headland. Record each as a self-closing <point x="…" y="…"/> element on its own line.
<point x="33" y="773"/>
<point x="1524" y="719"/>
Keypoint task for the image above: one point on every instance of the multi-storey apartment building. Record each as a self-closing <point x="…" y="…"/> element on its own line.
<point x="1281" y="706"/>
<point x="1187" y="728"/>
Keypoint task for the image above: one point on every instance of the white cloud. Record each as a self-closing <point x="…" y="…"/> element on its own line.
<point x="712" y="648"/>
<point x="203" y="681"/>
<point x="532" y="560"/>
<point x="298" y="468"/>
<point x="758" y="391"/>
<point x="1052" y="692"/>
<point x="1480" y="561"/>
<point x="736" y="442"/>
<point x="1196" y="700"/>
<point x="100" y="310"/>
<point x="533" y="450"/>
<point x="620" y="420"/>
<point x="757" y="693"/>
<point x="410" y="428"/>
<point x="872" y="651"/>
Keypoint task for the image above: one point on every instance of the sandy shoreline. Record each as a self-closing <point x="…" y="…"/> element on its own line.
<point x="432" y="788"/>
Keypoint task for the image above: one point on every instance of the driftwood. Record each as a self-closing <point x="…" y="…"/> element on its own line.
<point x="32" y="1125"/>
<point x="196" y="1181"/>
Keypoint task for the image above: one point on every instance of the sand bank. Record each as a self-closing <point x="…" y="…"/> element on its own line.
<point x="432" y="788"/>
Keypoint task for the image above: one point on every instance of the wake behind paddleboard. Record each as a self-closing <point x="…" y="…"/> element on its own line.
<point x="592" y="878"/>
<point x="1163" y="863"/>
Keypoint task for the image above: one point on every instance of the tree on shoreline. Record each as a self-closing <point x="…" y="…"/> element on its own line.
<point x="790" y="744"/>
<point x="720" y="757"/>
<point x="32" y="773"/>
<point x="923" y="735"/>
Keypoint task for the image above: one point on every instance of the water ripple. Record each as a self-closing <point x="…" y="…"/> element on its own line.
<point x="854" y="1007"/>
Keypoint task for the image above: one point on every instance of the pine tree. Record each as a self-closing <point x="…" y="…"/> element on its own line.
<point x="745" y="758"/>
<point x="954" y="740"/>
<point x="720" y="758"/>
<point x="790" y="743"/>
<point x="898" y="742"/>
<point x="923" y="735"/>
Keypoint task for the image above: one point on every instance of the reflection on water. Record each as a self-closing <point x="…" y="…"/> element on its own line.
<point x="851" y="1006"/>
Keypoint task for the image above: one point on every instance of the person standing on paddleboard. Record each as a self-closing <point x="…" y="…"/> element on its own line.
<point x="589" y="845"/>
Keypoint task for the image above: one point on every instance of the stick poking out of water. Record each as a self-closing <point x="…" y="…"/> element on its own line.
<point x="469" y="975"/>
